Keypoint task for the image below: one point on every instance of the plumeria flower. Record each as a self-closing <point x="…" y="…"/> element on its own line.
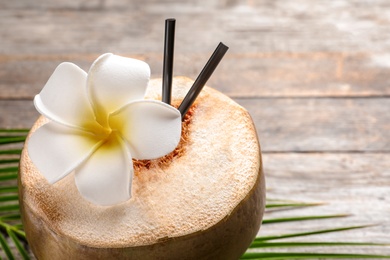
<point x="98" y="122"/>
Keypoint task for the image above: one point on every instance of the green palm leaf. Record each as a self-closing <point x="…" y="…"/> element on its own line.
<point x="10" y="176"/>
<point x="12" y="237"/>
<point x="13" y="169"/>
<point x="290" y="219"/>
<point x="6" y="248"/>
<point x="307" y="256"/>
<point x="261" y="244"/>
<point x="288" y="204"/>
<point x="9" y="189"/>
<point x="10" y="131"/>
<point x="11" y="139"/>
<point x="304" y="234"/>
<point x="11" y="152"/>
<point x="23" y="252"/>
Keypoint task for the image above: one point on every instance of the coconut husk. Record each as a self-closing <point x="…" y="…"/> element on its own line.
<point x="205" y="200"/>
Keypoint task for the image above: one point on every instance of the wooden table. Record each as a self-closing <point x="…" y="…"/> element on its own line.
<point x="315" y="76"/>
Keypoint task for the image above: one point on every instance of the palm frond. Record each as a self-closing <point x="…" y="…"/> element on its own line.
<point x="9" y="198"/>
<point x="301" y="234"/>
<point x="307" y="256"/>
<point x="12" y="139"/>
<point x="290" y="219"/>
<point x="12" y="237"/>
<point x="8" y="189"/>
<point x="9" y="176"/>
<point x="261" y="244"/>
<point x="17" y="130"/>
<point x="13" y="169"/>
<point x="5" y="247"/>
<point x="23" y="252"/>
<point x="11" y="152"/>
<point x="289" y="204"/>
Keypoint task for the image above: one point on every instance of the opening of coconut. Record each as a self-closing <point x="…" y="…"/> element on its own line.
<point x="166" y="160"/>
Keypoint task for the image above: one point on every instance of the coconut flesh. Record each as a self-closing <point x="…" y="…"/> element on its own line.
<point x="205" y="200"/>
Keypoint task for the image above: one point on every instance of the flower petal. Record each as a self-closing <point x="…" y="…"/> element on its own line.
<point x="64" y="98"/>
<point x="113" y="81"/>
<point x="56" y="150"/>
<point x="151" y="128"/>
<point x="105" y="178"/>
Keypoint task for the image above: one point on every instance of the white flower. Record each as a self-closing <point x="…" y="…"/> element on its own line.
<point x="99" y="122"/>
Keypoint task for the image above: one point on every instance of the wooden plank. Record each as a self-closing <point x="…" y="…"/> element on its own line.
<point x="308" y="124"/>
<point x="321" y="124"/>
<point x="24" y="77"/>
<point x="356" y="184"/>
<point x="17" y="114"/>
<point x="276" y="48"/>
<point x="123" y="26"/>
<point x="313" y="75"/>
<point x="239" y="75"/>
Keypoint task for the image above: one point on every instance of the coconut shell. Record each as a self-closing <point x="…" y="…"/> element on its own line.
<point x="205" y="200"/>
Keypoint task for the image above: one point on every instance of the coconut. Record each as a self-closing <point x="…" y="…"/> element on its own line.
<point x="205" y="200"/>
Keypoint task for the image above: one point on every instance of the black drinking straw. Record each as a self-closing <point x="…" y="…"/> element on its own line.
<point x="168" y="60"/>
<point x="202" y="78"/>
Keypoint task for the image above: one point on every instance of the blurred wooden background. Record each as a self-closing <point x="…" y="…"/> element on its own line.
<point x="314" y="74"/>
